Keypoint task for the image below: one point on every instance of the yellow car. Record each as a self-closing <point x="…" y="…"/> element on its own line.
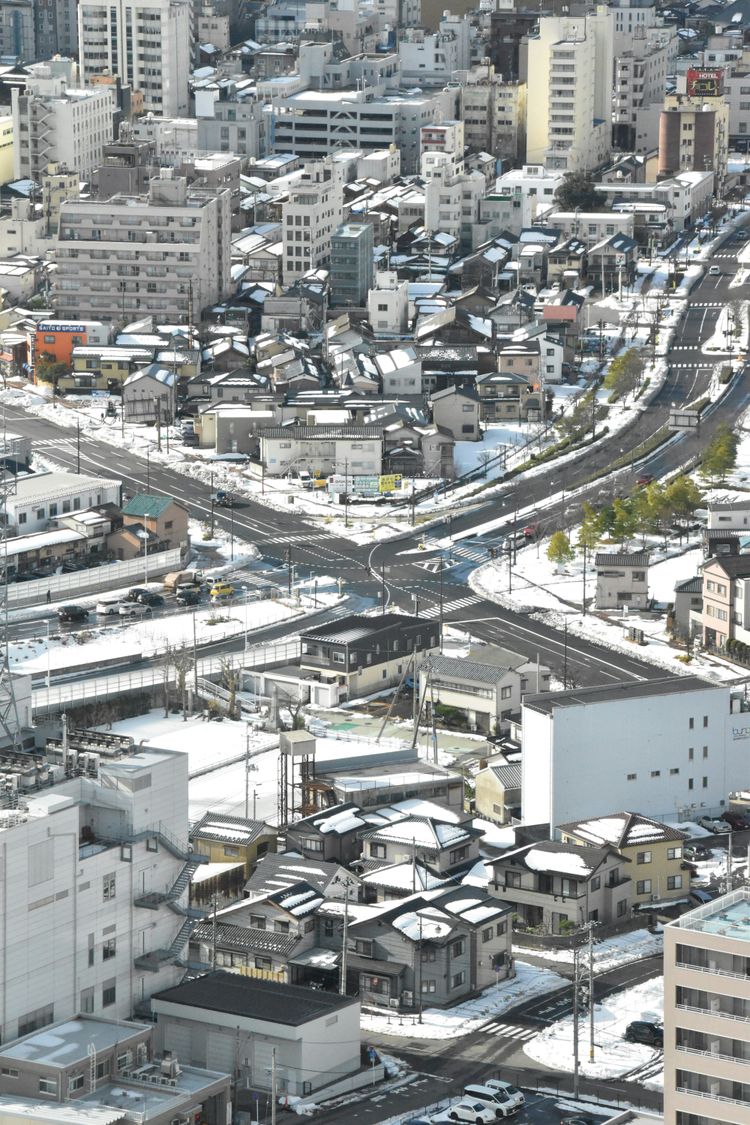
<point x="222" y="590"/>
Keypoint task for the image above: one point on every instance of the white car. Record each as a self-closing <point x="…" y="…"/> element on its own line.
<point x="513" y="1094"/>
<point x="134" y="609"/>
<point x="711" y="824"/>
<point x="469" y="1110"/>
<point x="108" y="608"/>
<point x="714" y="271"/>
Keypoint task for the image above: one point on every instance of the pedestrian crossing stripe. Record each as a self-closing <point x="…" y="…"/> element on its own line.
<point x="510" y="1031"/>
<point x="708" y="305"/>
<point x="476" y="554"/>
<point x="448" y="607"/>
<point x="693" y="365"/>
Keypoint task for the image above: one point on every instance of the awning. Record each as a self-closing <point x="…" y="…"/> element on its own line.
<point x="325" y="959"/>
<point x="377" y="968"/>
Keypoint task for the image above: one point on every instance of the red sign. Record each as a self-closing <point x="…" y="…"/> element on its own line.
<point x="705" y="83"/>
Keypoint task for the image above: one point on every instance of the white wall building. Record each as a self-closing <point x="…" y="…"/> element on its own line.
<point x="184" y="261"/>
<point x="388" y="305"/>
<point x="89" y="866"/>
<point x="641" y="69"/>
<point x="670" y="748"/>
<point x="569" y="96"/>
<point x="175" y="139"/>
<point x="53" y="122"/>
<point x="147" y="43"/>
<point x="39" y="498"/>
<point x="310" y="216"/>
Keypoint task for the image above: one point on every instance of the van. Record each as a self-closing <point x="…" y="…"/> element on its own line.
<point x="222" y="590"/>
<point x="506" y="1088"/>
<point x="494" y="1099"/>
<point x="714" y="271"/>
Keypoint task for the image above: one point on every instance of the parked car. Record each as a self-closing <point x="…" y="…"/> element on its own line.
<point x="581" y="1119"/>
<point x="187" y="596"/>
<point x="497" y="1100"/>
<point x="650" y="1034"/>
<point x="507" y="1088"/>
<point x="469" y="1110"/>
<point x="222" y="590"/>
<point x="711" y="824"/>
<point x="151" y="599"/>
<point x="134" y="609"/>
<point x="68" y="614"/>
<point x="302" y="477"/>
<point x="696" y="852"/>
<point x="190" y="438"/>
<point x="735" y="820"/>
<point x="109" y="607"/>
<point x="134" y="593"/>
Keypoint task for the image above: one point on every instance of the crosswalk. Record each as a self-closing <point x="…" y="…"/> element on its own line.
<point x="450" y="607"/>
<point x="708" y="305"/>
<point x="473" y="554"/>
<point x="686" y="348"/>
<point x="510" y="1031"/>
<point x="692" y="365"/>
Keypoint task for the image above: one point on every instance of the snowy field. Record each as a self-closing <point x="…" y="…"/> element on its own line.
<point x="614" y="1057"/>
<point x="469" y="1016"/>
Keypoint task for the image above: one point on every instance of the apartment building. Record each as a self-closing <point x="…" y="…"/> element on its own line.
<point x="726" y="600"/>
<point x="58" y="123"/>
<point x="569" y="101"/>
<point x="165" y="254"/>
<point x="493" y="112"/>
<point x="694" y="136"/>
<point x="229" y="122"/>
<point x="146" y="43"/>
<point x="95" y="860"/>
<point x="311" y="214"/>
<point x="641" y="69"/>
<point x="351" y="264"/>
<point x="707" y="1014"/>
<point x="665" y="747"/>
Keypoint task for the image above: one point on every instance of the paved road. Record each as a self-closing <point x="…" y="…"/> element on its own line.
<point x="390" y="572"/>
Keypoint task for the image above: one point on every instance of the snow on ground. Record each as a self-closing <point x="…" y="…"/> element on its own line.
<point x="469" y="1016"/>
<point x="664" y="574"/>
<point x="146" y="636"/>
<point x="613" y="1055"/>
<point x="609" y="954"/>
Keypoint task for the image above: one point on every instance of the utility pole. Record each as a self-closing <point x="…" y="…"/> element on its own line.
<point x="289" y="571"/>
<point x="158" y="424"/>
<point x="247" y="771"/>
<point x="576" y="987"/>
<point x="583" y="606"/>
<point x="344" y="946"/>
<point x="231" y="530"/>
<point x="382" y="582"/>
<point x="591" y="991"/>
<point x="195" y="657"/>
<point x="565" y="654"/>
<point x="148" y="470"/>
<point x="214" y="904"/>
<point x="441" y="603"/>
<point x="273" y="1086"/>
<point x="346" y="493"/>
<point x="78" y="446"/>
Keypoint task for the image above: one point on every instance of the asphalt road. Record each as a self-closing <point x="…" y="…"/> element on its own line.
<point x="393" y="572"/>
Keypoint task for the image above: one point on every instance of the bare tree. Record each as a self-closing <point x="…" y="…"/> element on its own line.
<point x="231" y="679"/>
<point x="182" y="662"/>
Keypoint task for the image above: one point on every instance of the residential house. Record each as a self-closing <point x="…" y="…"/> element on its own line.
<point x="567" y="263"/>
<point x="158" y="521"/>
<point x="103" y="368"/>
<point x="622" y="580"/>
<point x="557" y="887"/>
<point x="726" y="600"/>
<point x="150" y="395"/>
<point x="497" y="795"/>
<point x="397" y="880"/>
<point x="456" y="409"/>
<point x="442" y="843"/>
<point x="653" y="850"/>
<point x="379" y="784"/>
<point x="365" y="654"/>
<point x="486" y="692"/>
<point x="437" y="948"/>
<point x="509" y="396"/>
<point x="279" y="871"/>
<point x="612" y="262"/>
<point x="331" y="834"/>
<point x="687" y="604"/>
<point x="321" y="450"/>
<point x="233" y="839"/>
<point x="38" y="499"/>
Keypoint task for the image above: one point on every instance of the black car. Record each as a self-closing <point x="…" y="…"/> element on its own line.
<point x="642" y="1032"/>
<point x="696" y="853"/>
<point x="72" y="613"/>
<point x="135" y="594"/>
<point x="147" y="598"/>
<point x="188" y="597"/>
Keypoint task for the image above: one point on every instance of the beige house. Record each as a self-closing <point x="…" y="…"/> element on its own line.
<point x="622" y="580"/>
<point x="486" y="692"/>
<point x="146" y="517"/>
<point x="497" y="792"/>
<point x="726" y="600"/>
<point x="707" y="1014"/>
<point x="456" y="409"/>
<point x="233" y="839"/>
<point x="653" y="850"/>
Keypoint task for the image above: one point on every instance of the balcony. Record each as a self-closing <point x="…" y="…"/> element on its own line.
<point x="713" y="1012"/>
<point x="733" y="1059"/>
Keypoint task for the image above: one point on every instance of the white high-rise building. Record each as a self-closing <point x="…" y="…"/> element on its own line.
<point x="166" y="254"/>
<point x="94" y="869"/>
<point x="56" y="123"/>
<point x="309" y="218"/>
<point x="147" y="44"/>
<point x="569" y="96"/>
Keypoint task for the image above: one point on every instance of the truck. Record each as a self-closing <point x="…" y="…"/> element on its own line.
<point x="177" y="578"/>
<point x="222" y="498"/>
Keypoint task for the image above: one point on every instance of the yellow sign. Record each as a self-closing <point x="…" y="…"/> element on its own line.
<point x="391" y="483"/>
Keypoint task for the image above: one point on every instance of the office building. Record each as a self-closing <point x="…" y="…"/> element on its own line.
<point x="569" y="97"/>
<point x="351" y="264"/>
<point x="229" y="122"/>
<point x="166" y="254"/>
<point x="309" y="218"/>
<point x="694" y="136"/>
<point x="666" y="747"/>
<point x="707" y="1014"/>
<point x="55" y="122"/>
<point x="147" y="44"/>
<point x="96" y="865"/>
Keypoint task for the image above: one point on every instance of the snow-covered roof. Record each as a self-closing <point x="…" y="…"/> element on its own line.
<point x="424" y="925"/>
<point x="621" y="830"/>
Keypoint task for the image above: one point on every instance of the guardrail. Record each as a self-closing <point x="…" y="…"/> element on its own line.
<point x="96" y="578"/>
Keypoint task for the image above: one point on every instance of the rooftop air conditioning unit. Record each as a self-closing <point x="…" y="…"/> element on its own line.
<point x="393" y="1002"/>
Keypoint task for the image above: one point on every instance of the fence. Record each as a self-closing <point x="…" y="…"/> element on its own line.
<point x="105" y="577"/>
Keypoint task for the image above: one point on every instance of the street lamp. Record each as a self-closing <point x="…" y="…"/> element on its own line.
<point x="145" y="548"/>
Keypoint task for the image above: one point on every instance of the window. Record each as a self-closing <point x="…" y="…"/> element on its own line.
<point x="339" y="658"/>
<point x="506" y="692"/>
<point x="458" y="854"/>
<point x="363" y="946"/>
<point x="512" y="878"/>
<point x="32" y="1021"/>
<point x="643" y="857"/>
<point x="377" y="851"/>
<point x="281" y="927"/>
<point x="47" y="1086"/>
<point x="656" y="773"/>
<point x="231" y="850"/>
<point x="9" y="1072"/>
<point x="500" y="928"/>
<point x="75" y="1082"/>
<point x="691" y="753"/>
<point x="109" y="949"/>
<point x="327" y="927"/>
<point x="674" y="882"/>
<point x="704" y="784"/>
<point x="690" y="783"/>
<point x="458" y="979"/>
<point x="428" y="986"/>
<point x="691" y="724"/>
<point x="102" y="1069"/>
<point x="109" y="993"/>
<point x="568" y="886"/>
<point x="257" y="921"/>
<point x="643" y="887"/>
<point x="487" y="934"/>
<point x="705" y="751"/>
<point x="457" y="948"/>
<point x="596" y="883"/>
<point x="428" y="953"/>
<point x="705" y="720"/>
<point x="673" y="773"/>
<point x="87" y="1000"/>
<point x="632" y="776"/>
<point x="108" y="886"/>
<point x="379" y="985"/>
<point x="674" y="853"/>
<point x="622" y="908"/>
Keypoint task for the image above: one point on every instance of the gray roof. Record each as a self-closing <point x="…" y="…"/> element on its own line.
<point x="611" y="693"/>
<point x="321" y="433"/>
<point x="358" y="627"/>
<point x="260" y="999"/>
<point x="467" y="669"/>
<point x="231" y="829"/>
<point x="623" y="558"/>
<point x="689" y="586"/>
<point x="246" y="937"/>
<point x="276" y="872"/>
<point x="509" y="775"/>
<point x="549" y="855"/>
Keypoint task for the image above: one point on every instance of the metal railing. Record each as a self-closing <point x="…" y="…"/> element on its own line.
<point x="104" y="577"/>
